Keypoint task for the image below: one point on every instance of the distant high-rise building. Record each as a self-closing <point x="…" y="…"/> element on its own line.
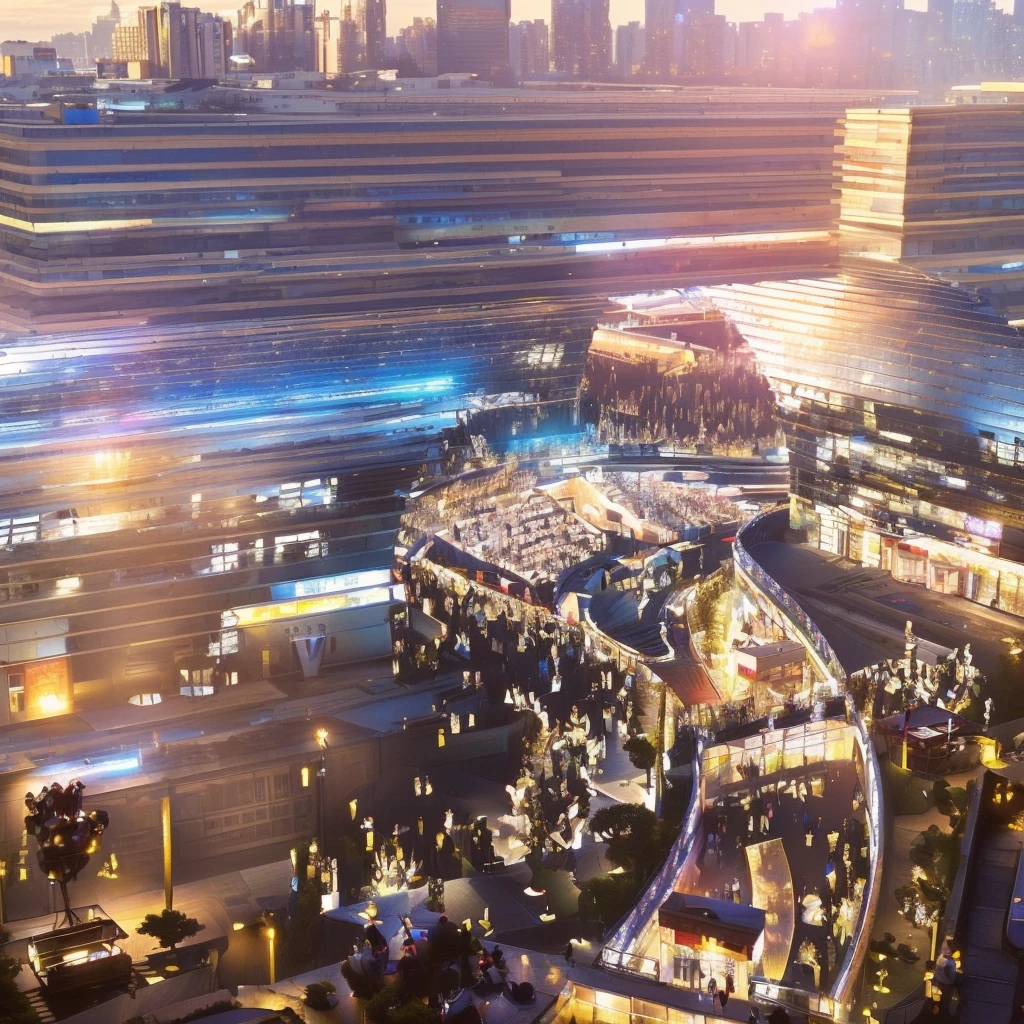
<point x="349" y="58"/>
<point x="215" y="42"/>
<point x="472" y="36"/>
<point x="175" y="42"/>
<point x="74" y="45"/>
<point x="149" y="30"/>
<point x="279" y="35"/>
<point x="371" y="16"/>
<point x="708" y="46"/>
<point x="179" y="40"/>
<point x="658" y="23"/>
<point x="102" y="33"/>
<point x="418" y="42"/>
<point x="665" y="36"/>
<point x="629" y="50"/>
<point x="581" y="37"/>
<point x="129" y="44"/>
<point x="529" y="48"/>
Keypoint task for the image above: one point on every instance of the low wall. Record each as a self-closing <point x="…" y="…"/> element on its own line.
<point x="186" y="986"/>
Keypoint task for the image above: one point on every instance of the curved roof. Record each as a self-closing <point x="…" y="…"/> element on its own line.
<point x="883" y="333"/>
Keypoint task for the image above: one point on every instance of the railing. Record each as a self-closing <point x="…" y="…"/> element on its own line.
<point x="907" y="1009"/>
<point x="816" y="1007"/>
<point x="762" y="528"/>
<point x="853" y="963"/>
<point x="630" y="963"/>
<point x="626" y="936"/>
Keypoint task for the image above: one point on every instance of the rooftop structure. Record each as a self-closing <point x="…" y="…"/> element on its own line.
<point x="901" y="400"/>
<point x="139" y="220"/>
<point x="940" y="189"/>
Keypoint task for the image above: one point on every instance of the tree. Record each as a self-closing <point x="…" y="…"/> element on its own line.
<point x="605" y="898"/>
<point x="169" y="927"/>
<point x="14" y="1007"/>
<point x="637" y="840"/>
<point x="642" y="754"/>
<point x="318" y="995"/>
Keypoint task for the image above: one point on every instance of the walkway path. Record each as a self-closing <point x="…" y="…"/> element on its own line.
<point x="987" y="992"/>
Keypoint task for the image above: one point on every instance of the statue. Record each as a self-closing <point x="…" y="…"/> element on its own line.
<point x="67" y="835"/>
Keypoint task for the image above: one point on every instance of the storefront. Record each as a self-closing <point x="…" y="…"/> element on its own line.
<point x="704" y="938"/>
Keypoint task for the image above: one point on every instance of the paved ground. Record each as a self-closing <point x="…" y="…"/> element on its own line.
<point x="547" y="974"/>
<point x="828" y="800"/>
<point x="991" y="974"/>
<point x="863" y="610"/>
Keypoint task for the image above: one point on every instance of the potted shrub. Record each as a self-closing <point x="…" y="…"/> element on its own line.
<point x="320" y="995"/>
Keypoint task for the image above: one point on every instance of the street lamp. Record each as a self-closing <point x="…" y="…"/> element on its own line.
<point x="270" y="946"/>
<point x="321" y="774"/>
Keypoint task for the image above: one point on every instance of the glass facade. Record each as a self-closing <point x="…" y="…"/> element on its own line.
<point x="941" y="188"/>
<point x="188" y="220"/>
<point x="902" y="398"/>
<point x="472" y="36"/>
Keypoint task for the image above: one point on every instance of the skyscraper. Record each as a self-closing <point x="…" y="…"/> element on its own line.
<point x="529" y="48"/>
<point x="102" y="33"/>
<point x="214" y="36"/>
<point x="472" y="36"/>
<point x="372" y="19"/>
<point x="175" y="42"/>
<point x="581" y="37"/>
<point x="664" y="42"/>
<point x="629" y="49"/>
<point x="348" y="42"/>
<point x="418" y="42"/>
<point x="179" y="40"/>
<point x="279" y="35"/>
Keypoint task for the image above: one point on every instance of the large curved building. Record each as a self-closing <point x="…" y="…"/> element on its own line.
<point x="902" y="398"/>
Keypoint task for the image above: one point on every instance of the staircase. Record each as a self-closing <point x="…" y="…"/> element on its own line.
<point x="38" y="1003"/>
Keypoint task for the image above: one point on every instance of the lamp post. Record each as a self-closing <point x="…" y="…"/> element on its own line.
<point x="321" y="774"/>
<point x="270" y="947"/>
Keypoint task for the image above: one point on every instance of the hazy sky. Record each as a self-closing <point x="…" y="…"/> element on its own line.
<point x="27" y="19"/>
<point x="39" y="19"/>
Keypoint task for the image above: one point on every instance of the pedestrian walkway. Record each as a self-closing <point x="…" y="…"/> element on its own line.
<point x="217" y="903"/>
<point x="987" y="992"/>
<point x="547" y="973"/>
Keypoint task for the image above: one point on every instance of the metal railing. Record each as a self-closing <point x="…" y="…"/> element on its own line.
<point x="762" y="527"/>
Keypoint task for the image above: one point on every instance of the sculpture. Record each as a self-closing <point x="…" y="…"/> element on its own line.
<point x="67" y="835"/>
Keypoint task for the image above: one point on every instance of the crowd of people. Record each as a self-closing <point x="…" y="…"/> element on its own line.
<point x="819" y="816"/>
<point x="498" y="516"/>
<point x="671" y="504"/>
<point x="523" y="656"/>
<point x="533" y="536"/>
<point x="722" y="397"/>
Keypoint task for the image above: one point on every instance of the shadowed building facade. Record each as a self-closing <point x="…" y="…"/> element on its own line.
<point x="472" y="36"/>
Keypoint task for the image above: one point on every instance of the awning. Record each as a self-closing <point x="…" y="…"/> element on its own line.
<point x="687" y="680"/>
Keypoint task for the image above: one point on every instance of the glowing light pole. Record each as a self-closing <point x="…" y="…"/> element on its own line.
<point x="321" y="775"/>
<point x="270" y="933"/>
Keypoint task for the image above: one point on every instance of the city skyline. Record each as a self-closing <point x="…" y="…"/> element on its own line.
<point x="45" y="17"/>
